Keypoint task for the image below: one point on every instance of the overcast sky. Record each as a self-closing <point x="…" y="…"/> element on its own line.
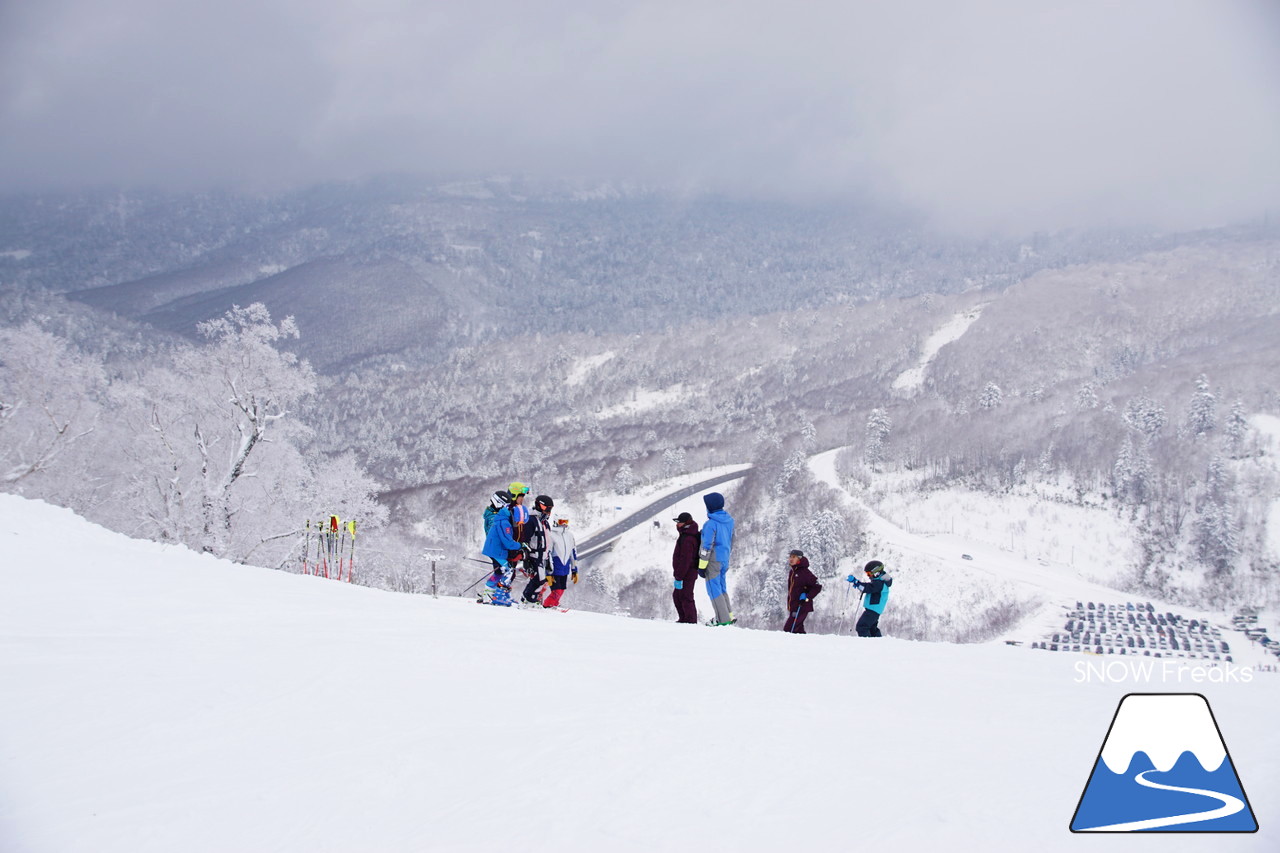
<point x="993" y="113"/>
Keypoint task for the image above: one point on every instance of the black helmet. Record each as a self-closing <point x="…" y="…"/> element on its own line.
<point x="500" y="499"/>
<point x="875" y="568"/>
<point x="543" y="503"/>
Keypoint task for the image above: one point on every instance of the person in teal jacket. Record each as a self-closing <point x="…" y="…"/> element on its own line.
<point x="875" y="595"/>
<point x="713" y="559"/>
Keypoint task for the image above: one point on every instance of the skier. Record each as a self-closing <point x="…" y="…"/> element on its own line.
<point x="875" y="595"/>
<point x="564" y="561"/>
<point x="519" y="512"/>
<point x="713" y="559"/>
<point x="535" y="537"/>
<point x="802" y="589"/>
<point x="684" y="567"/>
<point x="502" y="548"/>
<point x="496" y="502"/>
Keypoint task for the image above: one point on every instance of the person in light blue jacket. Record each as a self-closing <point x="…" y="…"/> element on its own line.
<point x="713" y="559"/>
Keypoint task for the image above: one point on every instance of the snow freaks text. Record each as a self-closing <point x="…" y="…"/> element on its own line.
<point x="1178" y="672"/>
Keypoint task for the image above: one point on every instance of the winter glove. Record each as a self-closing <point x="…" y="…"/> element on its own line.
<point x="804" y="596"/>
<point x="702" y="573"/>
<point x="575" y="576"/>
<point x="679" y="584"/>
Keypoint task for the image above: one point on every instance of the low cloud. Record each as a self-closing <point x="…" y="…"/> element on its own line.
<point x="998" y="114"/>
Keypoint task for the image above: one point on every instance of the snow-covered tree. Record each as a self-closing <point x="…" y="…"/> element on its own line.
<point x="823" y="539"/>
<point x="673" y="461"/>
<point x="1145" y="417"/>
<point x="49" y="400"/>
<point x="1201" y="416"/>
<point x="1237" y="426"/>
<point x="1131" y="474"/>
<point x="1087" y="397"/>
<point x="991" y="396"/>
<point x="879" y="426"/>
<point x="625" y="480"/>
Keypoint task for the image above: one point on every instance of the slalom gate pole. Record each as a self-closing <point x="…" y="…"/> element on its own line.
<point x="352" y="564"/>
<point x="306" y="547"/>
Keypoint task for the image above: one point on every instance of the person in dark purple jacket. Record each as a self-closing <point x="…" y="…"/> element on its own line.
<point x="684" y="568"/>
<point x="802" y="589"/>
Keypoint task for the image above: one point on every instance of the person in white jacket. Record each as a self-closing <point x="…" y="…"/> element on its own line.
<point x="563" y="564"/>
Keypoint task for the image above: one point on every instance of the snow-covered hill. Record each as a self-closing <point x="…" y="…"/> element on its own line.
<point x="155" y="699"/>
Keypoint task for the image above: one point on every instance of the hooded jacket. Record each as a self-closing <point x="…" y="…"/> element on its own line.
<point x="684" y="560"/>
<point x="501" y="539"/>
<point x="717" y="533"/>
<point x="800" y="581"/>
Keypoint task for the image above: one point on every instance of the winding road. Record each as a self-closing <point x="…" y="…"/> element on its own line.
<point x="602" y="540"/>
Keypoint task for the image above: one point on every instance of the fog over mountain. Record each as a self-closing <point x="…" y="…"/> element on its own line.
<point x="995" y="114"/>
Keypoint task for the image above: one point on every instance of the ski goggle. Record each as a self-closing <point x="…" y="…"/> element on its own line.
<point x="562" y="522"/>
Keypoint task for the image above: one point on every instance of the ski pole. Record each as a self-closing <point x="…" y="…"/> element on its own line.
<point x="482" y="577"/>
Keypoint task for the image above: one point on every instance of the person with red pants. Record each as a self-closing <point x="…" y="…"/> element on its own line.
<point x="684" y="568"/>
<point x="802" y="589"/>
<point x="564" y="561"/>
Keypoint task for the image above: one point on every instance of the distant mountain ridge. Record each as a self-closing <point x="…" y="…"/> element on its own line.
<point x="373" y="267"/>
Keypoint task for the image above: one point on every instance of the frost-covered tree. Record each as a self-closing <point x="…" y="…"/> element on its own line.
<point x="1145" y="417"/>
<point x="673" y="461"/>
<point x="1131" y="474"/>
<point x="1201" y="416"/>
<point x="49" y="400"/>
<point x="822" y="538"/>
<point x="1087" y="397"/>
<point x="625" y="480"/>
<point x="879" y="426"/>
<point x="1217" y="536"/>
<point x="215" y="454"/>
<point x="991" y="396"/>
<point x="1237" y="425"/>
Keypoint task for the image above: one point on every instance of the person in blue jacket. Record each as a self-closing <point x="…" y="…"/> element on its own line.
<point x="875" y="595"/>
<point x="502" y="547"/>
<point x="713" y="559"/>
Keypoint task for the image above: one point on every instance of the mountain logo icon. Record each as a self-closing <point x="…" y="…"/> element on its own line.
<point x="1164" y="767"/>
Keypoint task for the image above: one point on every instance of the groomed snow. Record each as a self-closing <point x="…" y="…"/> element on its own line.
<point x="951" y="331"/>
<point x="159" y="700"/>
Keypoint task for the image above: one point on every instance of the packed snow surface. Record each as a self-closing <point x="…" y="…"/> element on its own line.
<point x="159" y="700"/>
<point x="951" y="331"/>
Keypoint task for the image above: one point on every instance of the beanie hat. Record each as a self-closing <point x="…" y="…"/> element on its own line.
<point x="714" y="501"/>
<point x="796" y="553"/>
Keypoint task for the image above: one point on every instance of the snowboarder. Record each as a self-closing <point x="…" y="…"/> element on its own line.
<point x="564" y="561"/>
<point x="875" y="595"/>
<point x="713" y="559"/>
<point x="684" y="568"/>
<point x="502" y="548"/>
<point x="802" y="589"/>
<point x="535" y="537"/>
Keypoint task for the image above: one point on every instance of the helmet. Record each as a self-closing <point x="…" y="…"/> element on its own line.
<point x="875" y="568"/>
<point x="517" y="489"/>
<point x="500" y="499"/>
<point x="543" y="503"/>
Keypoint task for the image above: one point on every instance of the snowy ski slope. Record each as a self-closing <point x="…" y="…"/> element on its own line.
<point x="158" y="700"/>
